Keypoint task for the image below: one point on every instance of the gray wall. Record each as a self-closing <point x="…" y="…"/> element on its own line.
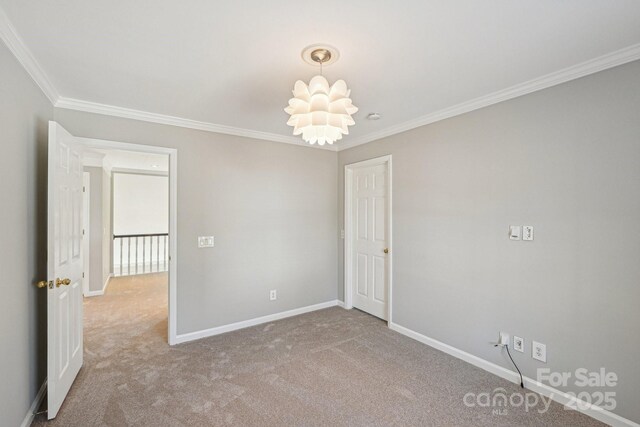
<point x="96" y="279"/>
<point x="565" y="160"/>
<point x="24" y="113"/>
<point x="271" y="206"/>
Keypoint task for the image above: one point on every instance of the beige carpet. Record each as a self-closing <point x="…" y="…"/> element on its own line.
<point x="330" y="367"/>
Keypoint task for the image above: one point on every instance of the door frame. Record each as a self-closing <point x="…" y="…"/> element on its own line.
<point x="173" y="217"/>
<point x="86" y="231"/>
<point x="348" y="229"/>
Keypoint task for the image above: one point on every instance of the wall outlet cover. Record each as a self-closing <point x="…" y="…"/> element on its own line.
<point x="539" y="351"/>
<point x="527" y="232"/>
<point x="514" y="232"/>
<point x="518" y="344"/>
<point x="273" y="295"/>
<point x="503" y="338"/>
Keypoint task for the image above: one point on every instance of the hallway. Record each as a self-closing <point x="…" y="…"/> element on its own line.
<point x="134" y="309"/>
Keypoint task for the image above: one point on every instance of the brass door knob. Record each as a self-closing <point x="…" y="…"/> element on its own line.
<point x="60" y="282"/>
<point x="42" y="284"/>
<point x="386" y="250"/>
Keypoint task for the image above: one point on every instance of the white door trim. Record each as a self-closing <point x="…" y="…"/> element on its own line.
<point x="86" y="230"/>
<point x="348" y="229"/>
<point x="173" y="216"/>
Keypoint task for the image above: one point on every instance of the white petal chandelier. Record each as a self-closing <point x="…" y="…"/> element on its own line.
<point x="319" y="112"/>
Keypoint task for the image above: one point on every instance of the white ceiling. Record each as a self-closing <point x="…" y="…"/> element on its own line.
<point x="235" y="63"/>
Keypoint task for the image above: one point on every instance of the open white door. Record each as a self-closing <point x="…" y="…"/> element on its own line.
<point x="64" y="265"/>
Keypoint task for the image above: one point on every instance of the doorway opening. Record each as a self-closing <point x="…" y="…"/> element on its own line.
<point x="368" y="237"/>
<point x="71" y="193"/>
<point x="131" y="232"/>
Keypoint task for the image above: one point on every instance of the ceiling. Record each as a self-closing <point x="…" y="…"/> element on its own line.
<point x="233" y="64"/>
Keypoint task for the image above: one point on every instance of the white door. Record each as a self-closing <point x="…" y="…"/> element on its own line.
<point x="370" y="239"/>
<point x="64" y="265"/>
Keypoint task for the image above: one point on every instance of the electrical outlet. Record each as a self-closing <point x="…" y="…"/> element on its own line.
<point x="273" y="295"/>
<point x="518" y="344"/>
<point x="503" y="338"/>
<point x="342" y="234"/>
<point x="539" y="351"/>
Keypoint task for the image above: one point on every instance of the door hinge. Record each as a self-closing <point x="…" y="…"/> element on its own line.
<point x="83" y="231"/>
<point x="84" y="189"/>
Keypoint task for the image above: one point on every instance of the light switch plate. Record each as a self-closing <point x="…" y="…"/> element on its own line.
<point x="514" y="232"/>
<point x="527" y="232"/>
<point x="206" y="241"/>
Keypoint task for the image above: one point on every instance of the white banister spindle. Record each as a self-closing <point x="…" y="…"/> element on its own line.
<point x="160" y="239"/>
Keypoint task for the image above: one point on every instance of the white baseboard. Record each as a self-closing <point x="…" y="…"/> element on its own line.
<point x="101" y="291"/>
<point x="139" y="269"/>
<point x="252" y="322"/>
<point x="94" y="293"/>
<point x="560" y="397"/>
<point x="340" y="303"/>
<point x="106" y="283"/>
<point x="31" y="413"/>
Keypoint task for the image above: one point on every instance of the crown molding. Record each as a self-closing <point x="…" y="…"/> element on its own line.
<point x="19" y="49"/>
<point x="10" y="37"/>
<point x="16" y="45"/>
<point x="128" y="113"/>
<point x="601" y="63"/>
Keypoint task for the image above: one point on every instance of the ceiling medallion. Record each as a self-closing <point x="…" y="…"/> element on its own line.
<point x="319" y="112"/>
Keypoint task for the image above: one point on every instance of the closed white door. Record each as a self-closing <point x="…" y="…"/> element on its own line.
<point x="64" y="265"/>
<point x="369" y="231"/>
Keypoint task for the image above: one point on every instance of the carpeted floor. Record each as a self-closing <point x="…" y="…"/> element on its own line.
<point x="326" y="368"/>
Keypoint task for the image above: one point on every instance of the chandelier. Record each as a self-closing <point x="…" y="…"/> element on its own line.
<point x="320" y="112"/>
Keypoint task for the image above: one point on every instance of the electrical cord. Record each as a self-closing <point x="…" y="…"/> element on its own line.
<point x="512" y="361"/>
<point x="514" y="364"/>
